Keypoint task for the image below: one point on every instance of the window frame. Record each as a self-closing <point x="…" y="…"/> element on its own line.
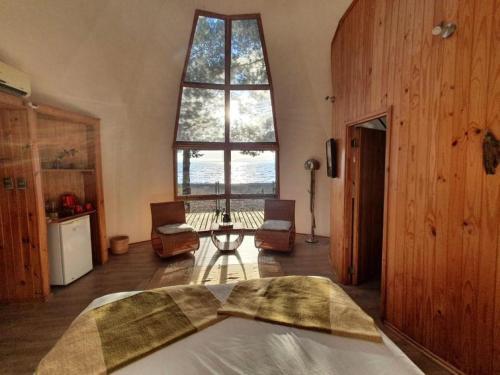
<point x="227" y="146"/>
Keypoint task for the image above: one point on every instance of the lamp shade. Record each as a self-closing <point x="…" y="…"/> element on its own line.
<point x="311" y="164"/>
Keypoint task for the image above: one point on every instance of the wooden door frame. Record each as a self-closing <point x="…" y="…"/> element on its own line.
<point x="353" y="171"/>
<point x="348" y="228"/>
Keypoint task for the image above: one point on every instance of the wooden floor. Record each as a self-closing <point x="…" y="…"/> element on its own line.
<point x="29" y="330"/>
<point x="201" y="221"/>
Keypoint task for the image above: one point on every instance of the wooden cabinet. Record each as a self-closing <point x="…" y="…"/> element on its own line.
<point x="31" y="139"/>
<point x="23" y="257"/>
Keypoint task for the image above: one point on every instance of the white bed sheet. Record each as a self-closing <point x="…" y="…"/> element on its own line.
<point x="243" y="346"/>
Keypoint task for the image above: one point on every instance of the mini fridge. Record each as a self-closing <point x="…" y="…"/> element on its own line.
<point x="70" y="250"/>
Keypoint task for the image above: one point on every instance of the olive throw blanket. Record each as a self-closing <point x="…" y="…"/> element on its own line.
<point x="304" y="302"/>
<point x="110" y="336"/>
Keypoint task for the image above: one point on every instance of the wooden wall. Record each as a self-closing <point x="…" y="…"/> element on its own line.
<point x="442" y="262"/>
<point x="53" y="137"/>
<point x="23" y="265"/>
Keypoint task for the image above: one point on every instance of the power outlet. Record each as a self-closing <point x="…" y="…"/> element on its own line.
<point x="21" y="183"/>
<point x="8" y="183"/>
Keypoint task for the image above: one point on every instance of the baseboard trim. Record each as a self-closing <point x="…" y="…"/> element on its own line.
<point x="423" y="349"/>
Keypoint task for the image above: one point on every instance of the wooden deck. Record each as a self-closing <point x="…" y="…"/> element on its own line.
<point x="201" y="221"/>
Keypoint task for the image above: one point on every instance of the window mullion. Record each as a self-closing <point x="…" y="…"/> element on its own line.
<point x="250" y="87"/>
<point x="220" y="86"/>
<point x="227" y="152"/>
<point x="197" y="85"/>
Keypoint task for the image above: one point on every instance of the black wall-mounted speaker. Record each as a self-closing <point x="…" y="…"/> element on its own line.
<point x="331" y="158"/>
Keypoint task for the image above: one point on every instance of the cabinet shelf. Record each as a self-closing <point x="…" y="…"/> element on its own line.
<point x="70" y="170"/>
<point x="68" y="218"/>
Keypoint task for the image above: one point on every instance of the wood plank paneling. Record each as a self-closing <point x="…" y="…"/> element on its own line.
<point x="5" y="201"/>
<point x="19" y="247"/>
<point x="440" y="337"/>
<point x="415" y="167"/>
<point x="443" y="226"/>
<point x="457" y="178"/>
<point x="492" y="183"/>
<point x="53" y="138"/>
<point x="39" y="249"/>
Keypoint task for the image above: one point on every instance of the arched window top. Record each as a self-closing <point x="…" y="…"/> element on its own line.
<point x="226" y="91"/>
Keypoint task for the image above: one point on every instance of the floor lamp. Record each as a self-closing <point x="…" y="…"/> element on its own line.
<point x="312" y="165"/>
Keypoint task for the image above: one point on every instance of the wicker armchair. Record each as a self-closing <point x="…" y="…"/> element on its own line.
<point x="170" y="235"/>
<point x="278" y="230"/>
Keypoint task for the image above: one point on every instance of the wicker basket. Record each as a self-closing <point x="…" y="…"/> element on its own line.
<point x="119" y="245"/>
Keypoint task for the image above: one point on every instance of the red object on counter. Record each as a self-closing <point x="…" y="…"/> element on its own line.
<point x="89" y="207"/>
<point x="79" y="209"/>
<point x="69" y="200"/>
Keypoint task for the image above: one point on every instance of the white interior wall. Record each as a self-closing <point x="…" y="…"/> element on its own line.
<point x="121" y="60"/>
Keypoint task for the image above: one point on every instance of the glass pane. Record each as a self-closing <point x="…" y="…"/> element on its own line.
<point x="202" y="214"/>
<point x="247" y="58"/>
<point x="202" y="115"/>
<point x="252" y="116"/>
<point x="200" y="172"/>
<point x="248" y="212"/>
<point x="253" y="172"/>
<point x="246" y="205"/>
<point x="206" y="61"/>
<point x="202" y="206"/>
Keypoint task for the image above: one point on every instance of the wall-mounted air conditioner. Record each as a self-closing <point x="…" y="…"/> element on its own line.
<point x="14" y="81"/>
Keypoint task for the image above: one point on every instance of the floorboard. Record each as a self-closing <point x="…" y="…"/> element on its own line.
<point x="201" y="221"/>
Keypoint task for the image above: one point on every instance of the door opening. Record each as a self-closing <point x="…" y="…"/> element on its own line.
<point x="365" y="200"/>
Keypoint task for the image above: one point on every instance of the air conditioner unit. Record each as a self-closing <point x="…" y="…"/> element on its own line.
<point x="14" y="81"/>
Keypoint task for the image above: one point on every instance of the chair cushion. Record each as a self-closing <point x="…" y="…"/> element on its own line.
<point x="175" y="228"/>
<point x="276" y="225"/>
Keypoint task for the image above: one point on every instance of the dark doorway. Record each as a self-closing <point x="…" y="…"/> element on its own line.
<point x="366" y="176"/>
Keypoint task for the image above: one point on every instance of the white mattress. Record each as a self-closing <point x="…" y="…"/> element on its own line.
<point x="243" y="346"/>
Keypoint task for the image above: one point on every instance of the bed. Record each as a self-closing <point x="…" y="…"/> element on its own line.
<point x="238" y="345"/>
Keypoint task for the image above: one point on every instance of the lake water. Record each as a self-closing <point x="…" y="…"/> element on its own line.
<point x="242" y="172"/>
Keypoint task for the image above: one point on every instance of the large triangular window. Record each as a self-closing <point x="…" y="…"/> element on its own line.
<point x="226" y="142"/>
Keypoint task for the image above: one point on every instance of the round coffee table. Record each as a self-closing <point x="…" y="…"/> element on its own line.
<point x="218" y="229"/>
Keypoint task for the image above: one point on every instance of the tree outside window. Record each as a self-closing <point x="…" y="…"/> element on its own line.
<point x="226" y="144"/>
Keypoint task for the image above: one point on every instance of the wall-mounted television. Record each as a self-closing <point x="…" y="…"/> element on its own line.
<point x="331" y="158"/>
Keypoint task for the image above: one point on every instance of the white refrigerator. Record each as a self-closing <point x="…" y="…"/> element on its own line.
<point x="70" y="250"/>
